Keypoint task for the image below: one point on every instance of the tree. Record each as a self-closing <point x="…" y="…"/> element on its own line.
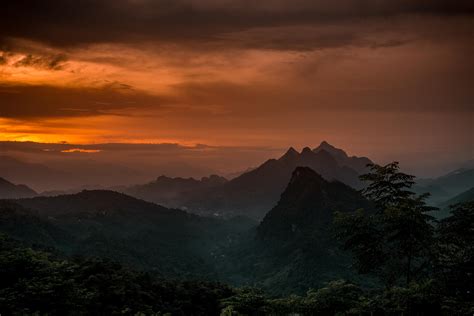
<point x="338" y="297"/>
<point x="395" y="240"/>
<point x="247" y="301"/>
<point x="387" y="186"/>
<point x="455" y="253"/>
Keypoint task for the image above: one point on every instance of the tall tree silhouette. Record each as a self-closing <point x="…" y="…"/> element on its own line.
<point x="395" y="240"/>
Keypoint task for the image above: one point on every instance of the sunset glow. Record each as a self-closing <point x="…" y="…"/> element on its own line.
<point x="256" y="82"/>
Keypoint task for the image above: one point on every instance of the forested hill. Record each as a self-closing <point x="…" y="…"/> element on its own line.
<point x="294" y="248"/>
<point x="108" y="224"/>
<point x="307" y="205"/>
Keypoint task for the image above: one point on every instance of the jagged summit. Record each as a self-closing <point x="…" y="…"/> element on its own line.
<point x="308" y="202"/>
<point x="306" y="151"/>
<point x="359" y="164"/>
<point x="325" y="145"/>
<point x="291" y="153"/>
<point x="302" y="173"/>
<point x="336" y="152"/>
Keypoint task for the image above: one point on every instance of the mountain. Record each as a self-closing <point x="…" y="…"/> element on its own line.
<point x="25" y="225"/>
<point x="94" y="203"/>
<point x="77" y="190"/>
<point x="256" y="191"/>
<point x="307" y="206"/>
<point x="170" y="192"/>
<point x="177" y="244"/>
<point x="359" y="164"/>
<point x="38" y="176"/>
<point x="447" y="186"/>
<point x="460" y="198"/>
<point x="293" y="248"/>
<point x="9" y="190"/>
<point x="113" y="225"/>
<point x="58" y="173"/>
<point x="444" y="207"/>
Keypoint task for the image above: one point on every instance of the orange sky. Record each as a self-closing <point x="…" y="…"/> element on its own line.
<point x="375" y="80"/>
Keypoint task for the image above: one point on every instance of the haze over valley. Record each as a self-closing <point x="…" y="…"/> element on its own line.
<point x="237" y="158"/>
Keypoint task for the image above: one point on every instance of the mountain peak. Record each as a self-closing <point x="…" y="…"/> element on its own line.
<point x="290" y="153"/>
<point x="358" y="164"/>
<point x="306" y="151"/>
<point x="336" y="152"/>
<point x="308" y="202"/>
<point x="304" y="172"/>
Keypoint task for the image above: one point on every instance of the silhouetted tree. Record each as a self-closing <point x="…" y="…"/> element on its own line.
<point x="387" y="186"/>
<point x="397" y="239"/>
<point x="455" y="255"/>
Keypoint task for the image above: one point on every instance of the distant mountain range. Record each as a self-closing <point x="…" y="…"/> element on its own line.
<point x="9" y="190"/>
<point x="446" y="187"/>
<point x="466" y="196"/>
<point x="253" y="192"/>
<point x="445" y="206"/>
<point x="171" y="191"/>
<point x="34" y="174"/>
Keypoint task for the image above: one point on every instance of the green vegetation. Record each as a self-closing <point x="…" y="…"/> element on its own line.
<point x="36" y="282"/>
<point x="407" y="249"/>
<point x="390" y="257"/>
<point x="395" y="240"/>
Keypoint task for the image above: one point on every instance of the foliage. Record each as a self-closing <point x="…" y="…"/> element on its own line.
<point x="247" y="301"/>
<point x="427" y="267"/>
<point x="396" y="240"/>
<point x="455" y="254"/>
<point x="37" y="282"/>
<point x="337" y="297"/>
<point x="387" y="185"/>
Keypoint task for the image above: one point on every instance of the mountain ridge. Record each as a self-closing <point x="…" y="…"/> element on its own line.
<point x="256" y="191"/>
<point x="359" y="164"/>
<point x="9" y="190"/>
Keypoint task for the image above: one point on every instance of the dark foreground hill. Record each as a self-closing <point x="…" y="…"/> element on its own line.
<point x="293" y="248"/>
<point x="307" y="205"/>
<point x="108" y="224"/>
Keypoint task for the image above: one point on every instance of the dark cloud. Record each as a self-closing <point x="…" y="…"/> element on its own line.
<point x="51" y="62"/>
<point x="48" y="101"/>
<point x="69" y="23"/>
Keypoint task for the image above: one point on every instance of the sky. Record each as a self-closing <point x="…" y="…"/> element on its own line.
<point x="392" y="80"/>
